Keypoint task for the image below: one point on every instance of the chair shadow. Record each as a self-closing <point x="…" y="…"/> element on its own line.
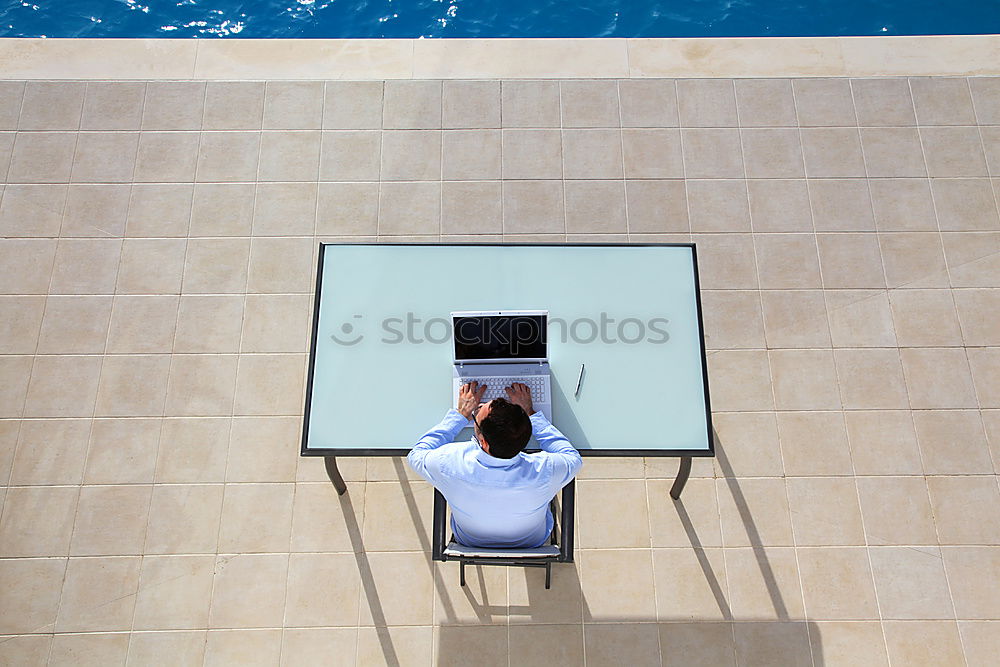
<point x="728" y="641"/>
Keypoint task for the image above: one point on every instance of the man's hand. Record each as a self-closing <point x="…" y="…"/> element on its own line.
<point x="469" y="398"/>
<point x="520" y="394"/>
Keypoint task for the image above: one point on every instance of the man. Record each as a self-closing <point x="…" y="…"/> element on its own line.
<point x="499" y="496"/>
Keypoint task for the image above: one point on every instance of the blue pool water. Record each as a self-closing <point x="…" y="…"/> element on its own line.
<point x="493" y="18"/>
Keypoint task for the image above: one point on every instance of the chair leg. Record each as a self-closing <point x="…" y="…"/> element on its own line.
<point x="461" y="576"/>
<point x="548" y="576"/>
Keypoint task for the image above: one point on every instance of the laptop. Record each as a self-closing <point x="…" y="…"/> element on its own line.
<point x="498" y="347"/>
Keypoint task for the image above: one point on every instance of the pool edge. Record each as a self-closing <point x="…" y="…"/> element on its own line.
<point x="937" y="55"/>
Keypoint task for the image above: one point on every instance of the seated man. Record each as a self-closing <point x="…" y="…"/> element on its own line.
<point x="499" y="496"/>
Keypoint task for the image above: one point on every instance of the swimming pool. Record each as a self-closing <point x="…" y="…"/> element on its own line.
<point x="495" y="18"/>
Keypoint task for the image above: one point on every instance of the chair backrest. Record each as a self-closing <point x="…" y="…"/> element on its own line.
<point x="562" y="553"/>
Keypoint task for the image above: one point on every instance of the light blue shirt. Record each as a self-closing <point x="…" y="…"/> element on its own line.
<point x="496" y="503"/>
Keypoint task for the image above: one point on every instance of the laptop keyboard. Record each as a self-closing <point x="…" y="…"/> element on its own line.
<point x="495" y="385"/>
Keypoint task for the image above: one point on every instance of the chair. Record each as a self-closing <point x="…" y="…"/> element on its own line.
<point x="557" y="551"/>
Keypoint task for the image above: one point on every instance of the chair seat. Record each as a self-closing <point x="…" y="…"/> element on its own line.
<point x="544" y="551"/>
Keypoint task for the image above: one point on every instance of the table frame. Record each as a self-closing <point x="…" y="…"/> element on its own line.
<point x="685" y="455"/>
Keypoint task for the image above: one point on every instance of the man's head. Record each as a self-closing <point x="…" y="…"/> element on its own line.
<point x="504" y="427"/>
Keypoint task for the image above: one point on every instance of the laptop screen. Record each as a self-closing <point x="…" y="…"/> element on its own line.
<point x="499" y="337"/>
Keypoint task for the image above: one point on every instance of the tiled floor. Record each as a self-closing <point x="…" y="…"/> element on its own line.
<point x="156" y="269"/>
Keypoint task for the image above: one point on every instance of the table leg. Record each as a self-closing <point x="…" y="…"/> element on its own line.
<point x="682" y="477"/>
<point x="334" y="474"/>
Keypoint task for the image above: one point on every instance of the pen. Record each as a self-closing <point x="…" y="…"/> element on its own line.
<point x="579" y="381"/>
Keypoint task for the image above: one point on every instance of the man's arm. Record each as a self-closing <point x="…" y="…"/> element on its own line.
<point x="454" y="421"/>
<point x="442" y="434"/>
<point x="565" y="457"/>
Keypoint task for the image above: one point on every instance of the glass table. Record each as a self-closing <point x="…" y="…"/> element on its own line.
<point x="380" y="366"/>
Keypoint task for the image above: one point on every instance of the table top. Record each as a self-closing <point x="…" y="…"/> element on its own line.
<point x="380" y="368"/>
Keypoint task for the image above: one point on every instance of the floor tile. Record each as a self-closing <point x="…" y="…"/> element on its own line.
<point x="397" y="516"/>
<point x="726" y="261"/>
<point x="305" y="646"/>
<point x="589" y="103"/>
<point x="817" y="519"/>
<point x="244" y="647"/>
<point x="270" y="384"/>
<point x="85" y="266"/>
<point x="718" y="206"/>
<point x="323" y="590"/>
<point x="122" y="451"/>
<point x="747" y="444"/>
<point x="111" y="520"/>
<point x="292" y="155"/>
<point x="772" y="153"/>
<point x="52" y="105"/>
<point x="973" y="577"/>
<point x="766" y="643"/>
<point x="652" y="153"/>
<point x="754" y="512"/>
<point x="837" y="583"/>
<point x="980" y="639"/>
<point x="595" y="207"/>
<point x="765" y="103"/>
<point x="98" y="594"/>
<point x="841" y="205"/>
<point x="409" y="208"/>
<point x="185" y="647"/>
<point x="618" y="585"/>
<point x="732" y="319"/>
<point x="134" y="276"/>
<point x="911" y="583"/>
<point x="464" y="104"/>
<point x="95" y="210"/>
<point x="942" y="101"/>
<point x="173" y="105"/>
<point x="985" y="363"/>
<point x="347" y="208"/>
<point x="850" y="261"/>
<point x="966" y="509"/>
<point x="832" y="152"/>
<point x="29" y="265"/>
<point x="392" y="646"/>
<point x="897" y="511"/>
<point x="209" y="323"/>
<point x="249" y="591"/>
<point x="614" y="643"/>
<point x="63" y="386"/>
<point x="707" y="103"/>
<point x="937" y="378"/>
<point x="824" y="102"/>
<point x="174" y="592"/>
<point x="764" y="583"/>
<point x="42" y="157"/>
<point x="882" y="102"/>
<point x="871" y="379"/>
<point x="184" y="519"/>
<point x="37" y="462"/>
<point x="471" y="154"/>
<point x="264" y="449"/>
<point x="779" y="205"/>
<point x="804" y="380"/>
<point x="912" y="310"/>
<point x="350" y="155"/>
<point x="24" y="533"/>
<point x="35" y="587"/>
<point x="740" y="380"/>
<point x="692" y="521"/>
<point x="849" y="642"/>
<point x="193" y="450"/>
<point x="902" y="204"/>
<point x="617" y="514"/>
<point x="285" y="209"/>
<point x="893" y="152"/>
<point x="964" y="204"/>
<point x="133" y="386"/>
<point x="648" y="102"/>
<point x="814" y="443"/>
<point x="795" y="319"/>
<point x="712" y="153"/>
<point x="256" y="518"/>
<point x="33" y="210"/>
<point x="412" y="105"/>
<point x="974" y="308"/>
<point x="697" y="643"/>
<point x="89" y="649"/>
<point x="234" y="105"/>
<point x="406" y="601"/>
<point x="913" y="260"/>
<point x="923" y="642"/>
<point x="953" y="152"/>
<point x="228" y="156"/>
<point x="25" y="649"/>
<point x="787" y="261"/>
<point x="590" y="153"/>
<point x="293" y="105"/>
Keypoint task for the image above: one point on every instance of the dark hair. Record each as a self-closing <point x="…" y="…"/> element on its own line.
<point x="506" y="428"/>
